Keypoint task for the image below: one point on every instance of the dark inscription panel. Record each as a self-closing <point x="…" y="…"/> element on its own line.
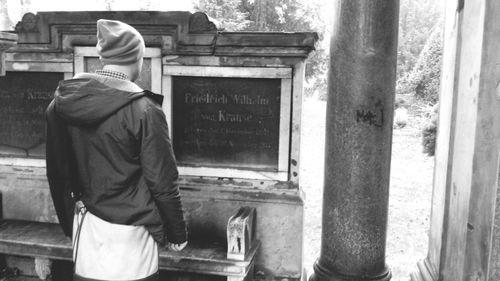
<point x="226" y="122"/>
<point x="93" y="63"/>
<point x="24" y="96"/>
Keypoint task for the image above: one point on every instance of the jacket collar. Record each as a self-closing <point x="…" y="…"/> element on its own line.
<point x="120" y="84"/>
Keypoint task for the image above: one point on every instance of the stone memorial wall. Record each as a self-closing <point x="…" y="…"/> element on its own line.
<point x="232" y="100"/>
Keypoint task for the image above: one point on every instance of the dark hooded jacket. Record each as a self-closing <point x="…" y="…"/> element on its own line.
<point x="109" y="147"/>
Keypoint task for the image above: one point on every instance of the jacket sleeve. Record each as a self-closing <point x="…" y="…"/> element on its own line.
<point x="160" y="173"/>
<point x="58" y="153"/>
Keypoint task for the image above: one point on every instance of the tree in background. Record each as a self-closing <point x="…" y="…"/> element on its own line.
<point x="424" y="78"/>
<point x="226" y="12"/>
<point x="25" y="6"/>
<point x="276" y="15"/>
<point x="263" y="15"/>
<point x="420" y="54"/>
<point x="5" y="22"/>
<point x="417" y="19"/>
<point x="279" y="15"/>
<point x="109" y="4"/>
<point x="424" y="82"/>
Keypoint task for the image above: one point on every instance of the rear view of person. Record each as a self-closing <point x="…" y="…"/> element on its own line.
<point x="111" y="167"/>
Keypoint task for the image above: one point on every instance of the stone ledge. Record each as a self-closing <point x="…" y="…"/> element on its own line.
<point x="34" y="239"/>
<point x="7" y="40"/>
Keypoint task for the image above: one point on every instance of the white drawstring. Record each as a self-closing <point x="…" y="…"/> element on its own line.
<point x="81" y="211"/>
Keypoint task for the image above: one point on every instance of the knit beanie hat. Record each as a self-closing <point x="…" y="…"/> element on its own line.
<point x="118" y="43"/>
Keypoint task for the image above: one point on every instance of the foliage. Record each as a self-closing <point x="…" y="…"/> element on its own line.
<point x="109" y="4"/>
<point x="226" y="12"/>
<point x="423" y="80"/>
<point x="429" y="133"/>
<point x="419" y="61"/>
<point x="5" y="22"/>
<point x="429" y="139"/>
<point x="261" y="15"/>
<point x="417" y="19"/>
<point x="277" y="15"/>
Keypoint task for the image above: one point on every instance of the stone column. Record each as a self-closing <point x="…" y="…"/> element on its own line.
<point x="358" y="141"/>
<point x="7" y="40"/>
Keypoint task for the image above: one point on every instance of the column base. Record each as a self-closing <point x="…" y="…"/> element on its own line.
<point x="323" y="274"/>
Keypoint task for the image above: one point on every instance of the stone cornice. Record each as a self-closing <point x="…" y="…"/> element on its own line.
<point x="176" y="33"/>
<point x="7" y="40"/>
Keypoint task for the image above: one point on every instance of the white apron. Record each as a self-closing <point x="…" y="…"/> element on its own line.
<point x="108" y="251"/>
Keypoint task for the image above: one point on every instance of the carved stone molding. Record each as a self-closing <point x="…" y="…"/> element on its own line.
<point x="199" y="22"/>
<point x="7" y="40"/>
<point x="177" y="33"/>
<point x="28" y="23"/>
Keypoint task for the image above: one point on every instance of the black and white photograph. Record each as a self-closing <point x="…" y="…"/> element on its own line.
<point x="250" y="140"/>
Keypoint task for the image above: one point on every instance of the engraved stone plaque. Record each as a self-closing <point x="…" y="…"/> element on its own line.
<point x="226" y="122"/>
<point x="24" y="97"/>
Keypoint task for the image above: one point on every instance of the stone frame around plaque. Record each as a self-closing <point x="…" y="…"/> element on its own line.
<point x="286" y="120"/>
<point x="80" y="53"/>
<point x="35" y="63"/>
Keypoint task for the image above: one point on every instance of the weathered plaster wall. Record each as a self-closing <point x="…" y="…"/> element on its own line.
<point x="26" y="196"/>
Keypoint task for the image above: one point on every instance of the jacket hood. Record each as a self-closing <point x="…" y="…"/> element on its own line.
<point x="86" y="100"/>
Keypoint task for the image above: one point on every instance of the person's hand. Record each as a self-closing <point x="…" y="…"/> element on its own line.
<point x="177" y="247"/>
